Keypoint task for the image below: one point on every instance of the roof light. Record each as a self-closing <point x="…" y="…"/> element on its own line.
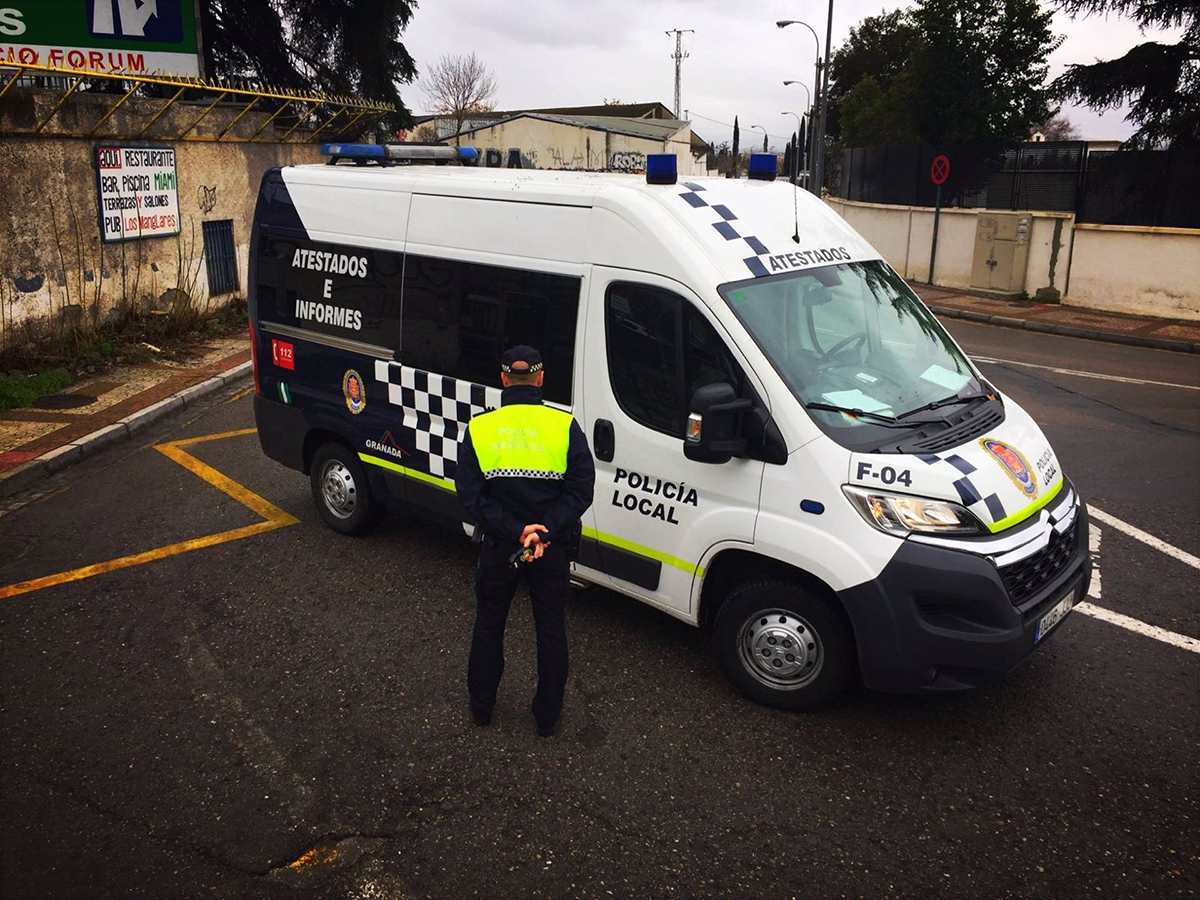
<point x="661" y="168"/>
<point x="763" y="166"/>
<point x="465" y="153"/>
<point x="354" y="151"/>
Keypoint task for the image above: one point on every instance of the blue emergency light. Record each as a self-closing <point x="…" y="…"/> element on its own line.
<point x="763" y="166"/>
<point x="661" y="168"/>
<point x="354" y="151"/>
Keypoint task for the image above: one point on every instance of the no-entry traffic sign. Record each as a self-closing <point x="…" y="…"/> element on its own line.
<point x="939" y="171"/>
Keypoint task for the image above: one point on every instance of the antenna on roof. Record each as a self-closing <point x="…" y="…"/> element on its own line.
<point x="679" y="57"/>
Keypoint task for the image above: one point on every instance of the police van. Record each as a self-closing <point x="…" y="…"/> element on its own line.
<point x="790" y="449"/>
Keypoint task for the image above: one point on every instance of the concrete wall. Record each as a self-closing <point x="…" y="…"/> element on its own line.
<point x="554" y="145"/>
<point x="53" y="265"/>
<point x="1129" y="269"/>
<point x="903" y="234"/>
<point x="1153" y="271"/>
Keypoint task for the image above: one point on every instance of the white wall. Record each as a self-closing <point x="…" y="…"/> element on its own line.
<point x="1153" y="271"/>
<point x="1128" y="269"/>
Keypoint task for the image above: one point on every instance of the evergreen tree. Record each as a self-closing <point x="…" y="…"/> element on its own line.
<point x="736" y="138"/>
<point x="787" y="156"/>
<point x="349" y="48"/>
<point x="1161" y="80"/>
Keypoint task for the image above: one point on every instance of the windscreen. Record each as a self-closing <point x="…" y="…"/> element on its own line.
<point x="852" y="335"/>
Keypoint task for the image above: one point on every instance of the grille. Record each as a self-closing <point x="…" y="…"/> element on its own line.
<point x="1024" y="579"/>
<point x="973" y="426"/>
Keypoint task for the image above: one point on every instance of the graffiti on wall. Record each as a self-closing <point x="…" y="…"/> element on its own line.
<point x="627" y="161"/>
<point x="562" y="161"/>
<point x="208" y="198"/>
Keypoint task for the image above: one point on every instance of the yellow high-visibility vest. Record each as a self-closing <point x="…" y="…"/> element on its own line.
<point x="522" y="440"/>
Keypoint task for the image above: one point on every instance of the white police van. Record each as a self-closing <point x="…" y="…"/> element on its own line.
<point x="789" y="447"/>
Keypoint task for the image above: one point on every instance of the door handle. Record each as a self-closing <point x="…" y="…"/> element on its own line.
<point x="604" y="440"/>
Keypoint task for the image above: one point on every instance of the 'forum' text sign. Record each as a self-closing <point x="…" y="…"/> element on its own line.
<point x="138" y="37"/>
<point x="138" y="192"/>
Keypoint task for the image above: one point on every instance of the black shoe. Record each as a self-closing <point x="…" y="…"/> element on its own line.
<point x="543" y="731"/>
<point x="482" y="720"/>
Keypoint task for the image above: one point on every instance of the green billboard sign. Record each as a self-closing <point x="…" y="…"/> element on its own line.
<point x="136" y="36"/>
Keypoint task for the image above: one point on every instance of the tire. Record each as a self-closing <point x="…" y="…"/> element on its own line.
<point x="341" y="490"/>
<point x="783" y="646"/>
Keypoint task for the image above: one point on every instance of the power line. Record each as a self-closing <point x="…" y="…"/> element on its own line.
<point x="696" y="115"/>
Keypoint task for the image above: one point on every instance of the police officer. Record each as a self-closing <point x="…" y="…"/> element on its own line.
<point x="525" y="475"/>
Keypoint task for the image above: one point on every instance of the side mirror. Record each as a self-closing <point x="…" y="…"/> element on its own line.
<point x="714" y="425"/>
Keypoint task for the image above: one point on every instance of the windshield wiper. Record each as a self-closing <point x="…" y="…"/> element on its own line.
<point x="947" y="401"/>
<point x="887" y="421"/>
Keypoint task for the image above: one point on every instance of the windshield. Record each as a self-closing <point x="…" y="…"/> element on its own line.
<point x="855" y="336"/>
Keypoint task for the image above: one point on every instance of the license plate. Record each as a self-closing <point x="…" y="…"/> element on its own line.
<point x="1057" y="613"/>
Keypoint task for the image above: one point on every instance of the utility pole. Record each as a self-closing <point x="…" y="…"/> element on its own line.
<point x="679" y="57"/>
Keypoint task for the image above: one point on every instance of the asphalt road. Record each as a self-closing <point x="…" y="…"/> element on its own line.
<point x="282" y="715"/>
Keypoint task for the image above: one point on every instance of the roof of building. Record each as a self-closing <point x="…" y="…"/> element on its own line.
<point x="652" y="129"/>
<point x="636" y="119"/>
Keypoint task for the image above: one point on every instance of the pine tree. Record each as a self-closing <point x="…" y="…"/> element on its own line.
<point x="1161" y="80"/>
<point x="347" y="48"/>
<point x="787" y="157"/>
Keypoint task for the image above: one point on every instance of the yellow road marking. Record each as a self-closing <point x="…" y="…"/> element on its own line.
<point x="273" y="518"/>
<point x="240" y="394"/>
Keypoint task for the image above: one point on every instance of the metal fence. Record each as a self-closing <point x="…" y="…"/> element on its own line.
<point x="1147" y="187"/>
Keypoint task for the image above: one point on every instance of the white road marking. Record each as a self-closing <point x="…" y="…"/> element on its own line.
<point x="1079" y="374"/>
<point x="1152" y="631"/>
<point x="1147" y="539"/>
<point x="1115" y="618"/>
<point x="1094" y="551"/>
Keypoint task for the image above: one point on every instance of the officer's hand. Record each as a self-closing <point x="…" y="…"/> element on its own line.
<point x="530" y="534"/>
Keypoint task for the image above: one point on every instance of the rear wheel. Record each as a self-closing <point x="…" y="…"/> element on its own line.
<point x="783" y="646"/>
<point x="340" y="489"/>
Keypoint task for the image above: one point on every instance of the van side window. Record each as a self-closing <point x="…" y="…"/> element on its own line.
<point x="458" y="317"/>
<point x="660" y="350"/>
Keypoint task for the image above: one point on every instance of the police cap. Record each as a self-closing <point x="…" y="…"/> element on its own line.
<point x="521" y="360"/>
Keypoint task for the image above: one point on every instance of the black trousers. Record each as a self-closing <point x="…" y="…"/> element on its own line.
<point x="495" y="584"/>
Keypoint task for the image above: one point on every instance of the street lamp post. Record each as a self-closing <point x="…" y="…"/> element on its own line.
<point x="823" y="90"/>
<point x="811" y="143"/>
<point x="764" y="131"/>
<point x="817" y="119"/>
<point x="796" y="155"/>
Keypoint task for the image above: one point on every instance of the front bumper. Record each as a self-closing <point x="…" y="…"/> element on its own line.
<point x="940" y="618"/>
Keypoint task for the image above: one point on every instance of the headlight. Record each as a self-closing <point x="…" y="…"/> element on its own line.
<point x="901" y="514"/>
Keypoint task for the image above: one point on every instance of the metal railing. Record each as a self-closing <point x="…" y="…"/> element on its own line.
<point x="302" y="117"/>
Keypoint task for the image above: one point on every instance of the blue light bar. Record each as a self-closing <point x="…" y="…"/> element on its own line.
<point x="361" y="151"/>
<point x="661" y="168"/>
<point x="763" y="166"/>
<point x="471" y="153"/>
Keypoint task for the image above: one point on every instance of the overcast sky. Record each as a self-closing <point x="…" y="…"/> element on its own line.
<point x="560" y="53"/>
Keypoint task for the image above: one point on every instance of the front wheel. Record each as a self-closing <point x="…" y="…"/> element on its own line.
<point x="783" y="646"/>
<point x="340" y="489"/>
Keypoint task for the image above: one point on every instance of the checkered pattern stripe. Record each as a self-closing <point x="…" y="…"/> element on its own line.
<point x="728" y="231"/>
<point x="435" y="412"/>
<point x="967" y="491"/>
<point x="523" y="473"/>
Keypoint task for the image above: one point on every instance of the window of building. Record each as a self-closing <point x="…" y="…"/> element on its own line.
<point x="459" y="317"/>
<point x="220" y="257"/>
<point x="660" y="351"/>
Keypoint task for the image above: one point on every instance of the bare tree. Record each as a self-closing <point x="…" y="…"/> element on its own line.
<point x="1059" y="128"/>
<point x="458" y="86"/>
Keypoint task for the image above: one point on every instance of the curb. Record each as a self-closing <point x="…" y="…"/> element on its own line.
<point x="27" y="474"/>
<point x="1134" y="340"/>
